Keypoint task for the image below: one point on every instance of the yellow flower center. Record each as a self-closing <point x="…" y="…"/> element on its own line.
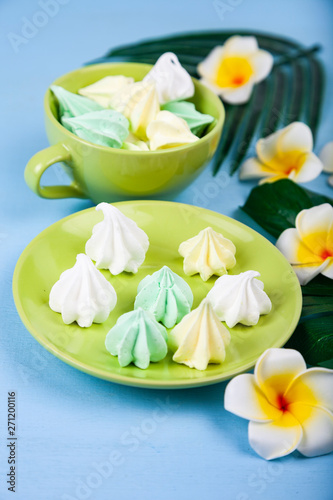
<point x="233" y="71"/>
<point x="319" y="246"/>
<point x="285" y="163"/>
<point x="295" y="402"/>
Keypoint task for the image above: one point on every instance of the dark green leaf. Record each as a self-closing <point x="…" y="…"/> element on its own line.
<point x="299" y="75"/>
<point x="207" y="39"/>
<point x="254" y="109"/>
<point x="313" y="305"/>
<point x="314" y="339"/>
<point x="276" y="98"/>
<point x="234" y="116"/>
<point x="316" y="90"/>
<point x="320" y="286"/>
<point x="275" y="205"/>
<point x="297" y="55"/>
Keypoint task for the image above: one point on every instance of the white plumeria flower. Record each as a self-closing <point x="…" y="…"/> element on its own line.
<point x="326" y="156"/>
<point x="231" y="70"/>
<point x="309" y="246"/>
<point x="286" y="154"/>
<point x="289" y="407"/>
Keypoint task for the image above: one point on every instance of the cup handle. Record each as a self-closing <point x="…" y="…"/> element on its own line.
<point x="42" y="161"/>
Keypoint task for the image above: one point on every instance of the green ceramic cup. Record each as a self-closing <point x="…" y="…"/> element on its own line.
<point x="106" y="174"/>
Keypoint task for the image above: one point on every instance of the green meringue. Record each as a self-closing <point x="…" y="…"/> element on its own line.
<point x="137" y="338"/>
<point x="166" y="295"/>
<point x="71" y="105"/>
<point x="195" y="120"/>
<point x="106" y="127"/>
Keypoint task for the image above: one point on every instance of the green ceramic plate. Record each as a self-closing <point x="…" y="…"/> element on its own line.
<point x="167" y="225"/>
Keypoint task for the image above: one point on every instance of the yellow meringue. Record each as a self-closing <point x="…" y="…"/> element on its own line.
<point x="132" y="143"/>
<point x="169" y="131"/>
<point x="207" y="253"/>
<point x="102" y="90"/>
<point x="139" y="103"/>
<point x="201" y="338"/>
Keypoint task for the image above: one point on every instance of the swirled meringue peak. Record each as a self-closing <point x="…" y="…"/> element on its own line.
<point x="117" y="243"/>
<point x="102" y="90"/>
<point x="172" y="81"/>
<point x="139" y="103"/>
<point x="201" y="338"/>
<point x="137" y="338"/>
<point x="239" y="298"/>
<point x="106" y="127"/>
<point x="82" y="294"/>
<point x="72" y="105"/>
<point x="169" y="131"/>
<point x="166" y="295"/>
<point x="207" y="253"/>
<point x="186" y="110"/>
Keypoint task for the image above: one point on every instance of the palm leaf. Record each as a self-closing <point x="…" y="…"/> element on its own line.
<point x="272" y="117"/>
<point x="294" y="90"/>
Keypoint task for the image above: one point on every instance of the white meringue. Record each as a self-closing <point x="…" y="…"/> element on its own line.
<point x="207" y="253"/>
<point x="102" y="90"/>
<point x="82" y="294"/>
<point x="201" y="338"/>
<point x="169" y="131"/>
<point x="117" y="243"/>
<point x="172" y="81"/>
<point x="239" y="298"/>
<point x="139" y="103"/>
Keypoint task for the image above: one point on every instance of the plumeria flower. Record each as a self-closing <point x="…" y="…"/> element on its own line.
<point x="286" y="154"/>
<point x="231" y="70"/>
<point x="289" y="407"/>
<point x="326" y="156"/>
<point x="309" y="246"/>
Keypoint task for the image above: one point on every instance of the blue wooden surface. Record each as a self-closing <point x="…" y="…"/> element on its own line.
<point x="80" y="437"/>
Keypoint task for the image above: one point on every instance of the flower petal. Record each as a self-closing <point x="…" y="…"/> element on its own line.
<point x="296" y="137"/>
<point x="267" y="148"/>
<point x="307" y="273"/>
<point x="313" y="387"/>
<point x="310" y="169"/>
<point x="275" y="370"/>
<point x="326" y="156"/>
<point x="207" y="68"/>
<point x="241" y="45"/>
<point x="292" y="247"/>
<point x="328" y="271"/>
<point x="315" y="227"/>
<point x="238" y="95"/>
<point x="275" y="439"/>
<point x="272" y="179"/>
<point x="215" y="88"/>
<point x="262" y="63"/>
<point x="244" y="398"/>
<point x="253" y="168"/>
<point x="317" y="425"/>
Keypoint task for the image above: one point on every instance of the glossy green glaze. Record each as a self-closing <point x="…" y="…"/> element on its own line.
<point x="167" y="225"/>
<point x="106" y="174"/>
